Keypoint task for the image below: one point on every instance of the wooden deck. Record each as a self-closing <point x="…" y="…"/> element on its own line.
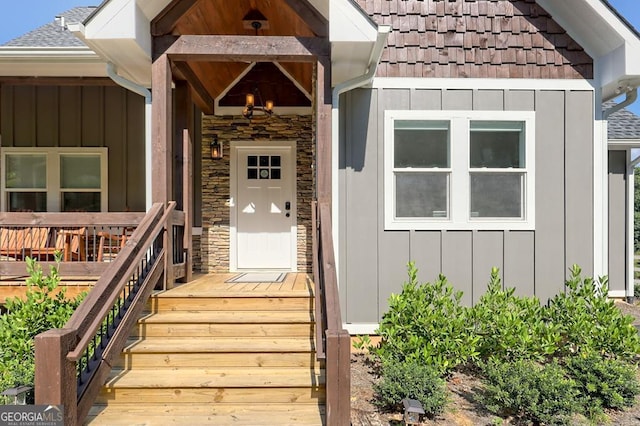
<point x="203" y="285"/>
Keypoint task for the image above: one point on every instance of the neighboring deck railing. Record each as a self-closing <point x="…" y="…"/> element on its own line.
<point x="73" y="363"/>
<point x="333" y="343"/>
<point x="87" y="242"/>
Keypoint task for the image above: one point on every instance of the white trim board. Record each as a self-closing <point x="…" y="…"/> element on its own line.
<point x="361" y="328"/>
<point x="481" y="84"/>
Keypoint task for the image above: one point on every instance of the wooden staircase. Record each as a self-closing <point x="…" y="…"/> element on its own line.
<point x="240" y="355"/>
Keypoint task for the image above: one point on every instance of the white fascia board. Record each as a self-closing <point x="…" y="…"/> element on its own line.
<point x="352" y="35"/>
<point x="606" y="38"/>
<point x="348" y="22"/>
<point x="50" y="62"/>
<point x="481" y="83"/>
<point x="624" y="143"/>
<point x="120" y="33"/>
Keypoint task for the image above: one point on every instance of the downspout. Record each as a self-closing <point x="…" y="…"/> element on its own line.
<point x="146" y="94"/>
<point x="374" y="58"/>
<point x="631" y="96"/>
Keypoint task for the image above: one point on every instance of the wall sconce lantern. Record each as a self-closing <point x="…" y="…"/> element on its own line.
<point x="19" y="394"/>
<point x="216" y="149"/>
<point x="412" y="411"/>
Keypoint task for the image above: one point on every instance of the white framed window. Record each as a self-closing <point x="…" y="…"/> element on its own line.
<point x="459" y="170"/>
<point x="54" y="179"/>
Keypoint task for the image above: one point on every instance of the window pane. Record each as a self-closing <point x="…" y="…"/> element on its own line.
<point x="497" y="144"/>
<point x="27" y="201"/>
<point x="421" y="144"/>
<point x="422" y="195"/>
<point x="80" y="201"/>
<point x="26" y="171"/>
<point x="496" y="194"/>
<point x="80" y="171"/>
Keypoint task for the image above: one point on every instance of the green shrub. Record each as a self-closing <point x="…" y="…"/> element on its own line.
<point x="530" y="391"/>
<point x="603" y="382"/>
<point x="427" y="324"/>
<point x="512" y="327"/>
<point x="589" y="321"/>
<point x="409" y="379"/>
<point x="39" y="311"/>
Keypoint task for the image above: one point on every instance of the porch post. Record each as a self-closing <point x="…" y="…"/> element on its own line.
<point x="323" y="129"/>
<point x="161" y="185"/>
<point x="184" y="145"/>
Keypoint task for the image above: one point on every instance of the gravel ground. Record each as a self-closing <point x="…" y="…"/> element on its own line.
<point x="463" y="409"/>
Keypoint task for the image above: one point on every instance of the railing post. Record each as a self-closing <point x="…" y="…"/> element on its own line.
<point x="338" y="380"/>
<point x="55" y="378"/>
<point x="168" y="247"/>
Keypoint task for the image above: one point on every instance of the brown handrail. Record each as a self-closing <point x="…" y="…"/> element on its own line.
<point x="127" y="284"/>
<point x="333" y="343"/>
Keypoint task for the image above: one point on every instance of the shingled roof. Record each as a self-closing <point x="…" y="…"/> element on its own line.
<point x="623" y="124"/>
<point x="54" y="34"/>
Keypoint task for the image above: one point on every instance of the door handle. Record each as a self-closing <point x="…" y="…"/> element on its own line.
<point x="287" y="205"/>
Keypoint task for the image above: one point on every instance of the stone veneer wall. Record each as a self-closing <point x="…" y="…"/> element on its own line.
<point x="214" y="242"/>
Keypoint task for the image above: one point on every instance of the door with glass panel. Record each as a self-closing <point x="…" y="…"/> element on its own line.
<point x="265" y="208"/>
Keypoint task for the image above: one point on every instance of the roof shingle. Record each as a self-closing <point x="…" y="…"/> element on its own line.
<point x="54" y="34"/>
<point x="622" y="124"/>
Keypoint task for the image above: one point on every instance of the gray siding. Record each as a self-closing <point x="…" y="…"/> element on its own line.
<point x="82" y="116"/>
<point x="617" y="220"/>
<point x="373" y="260"/>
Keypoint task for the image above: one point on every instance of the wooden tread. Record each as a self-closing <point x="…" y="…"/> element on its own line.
<point x="219" y="344"/>
<point x="215" y="414"/>
<point x="227" y="377"/>
<point x="283" y="395"/>
<point x="171" y="303"/>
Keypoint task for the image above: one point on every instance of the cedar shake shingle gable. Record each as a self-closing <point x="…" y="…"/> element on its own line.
<point x="475" y="38"/>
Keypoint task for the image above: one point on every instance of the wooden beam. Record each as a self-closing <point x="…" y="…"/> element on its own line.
<point x="161" y="133"/>
<point x="203" y="98"/>
<point x="216" y="48"/>
<point x="323" y="129"/>
<point x="318" y="23"/>
<point x="167" y="19"/>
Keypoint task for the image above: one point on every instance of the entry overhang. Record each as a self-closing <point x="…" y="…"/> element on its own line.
<point x="120" y="32"/>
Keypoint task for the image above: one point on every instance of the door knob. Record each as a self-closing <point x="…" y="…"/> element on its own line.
<point x="287" y="205"/>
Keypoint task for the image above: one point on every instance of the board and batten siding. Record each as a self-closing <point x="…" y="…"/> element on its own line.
<point x="617" y="220"/>
<point x="82" y="116"/>
<point x="372" y="260"/>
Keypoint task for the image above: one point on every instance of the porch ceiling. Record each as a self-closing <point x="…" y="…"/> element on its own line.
<point x="209" y="80"/>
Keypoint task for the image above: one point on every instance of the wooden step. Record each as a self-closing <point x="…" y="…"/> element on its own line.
<point x="227" y="377"/>
<point x="265" y="359"/>
<point x="222" y="330"/>
<point x="229" y="317"/>
<point x="284" y="395"/>
<point x="225" y="323"/>
<point x="215" y="414"/>
<point x="219" y="344"/>
<point x="227" y="303"/>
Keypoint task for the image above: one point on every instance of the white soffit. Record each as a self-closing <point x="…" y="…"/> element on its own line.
<point x="120" y="32"/>
<point x="605" y="37"/>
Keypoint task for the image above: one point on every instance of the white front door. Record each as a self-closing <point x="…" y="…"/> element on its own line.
<point x="265" y="208"/>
